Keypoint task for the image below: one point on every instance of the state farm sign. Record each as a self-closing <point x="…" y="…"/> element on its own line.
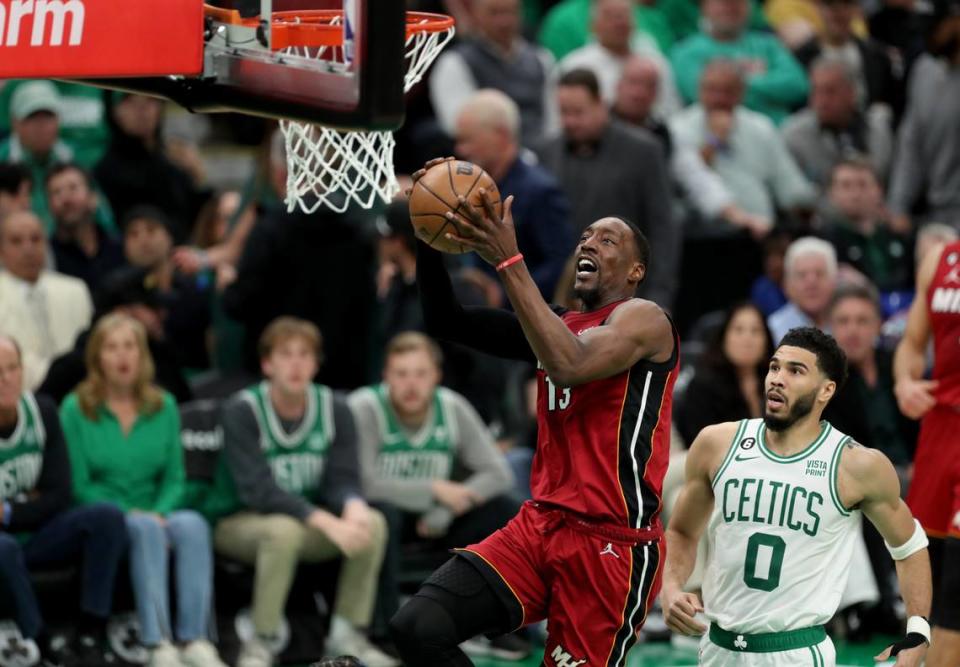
<point x="100" y="38"/>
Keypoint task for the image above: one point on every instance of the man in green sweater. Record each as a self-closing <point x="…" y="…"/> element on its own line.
<point x="775" y="82"/>
<point x="291" y="487"/>
<point x="38" y="528"/>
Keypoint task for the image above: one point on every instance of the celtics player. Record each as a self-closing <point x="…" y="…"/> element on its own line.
<point x="413" y="435"/>
<point x="291" y="486"/>
<point x="781" y="499"/>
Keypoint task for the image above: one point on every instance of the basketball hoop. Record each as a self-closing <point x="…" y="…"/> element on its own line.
<point x="334" y="167"/>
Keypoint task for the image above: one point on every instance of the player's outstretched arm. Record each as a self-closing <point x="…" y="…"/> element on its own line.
<point x="868" y="479"/>
<point x="914" y="394"/>
<point x="687" y="522"/>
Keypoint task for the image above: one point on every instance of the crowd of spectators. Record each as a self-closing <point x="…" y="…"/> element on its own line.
<point x="790" y="162"/>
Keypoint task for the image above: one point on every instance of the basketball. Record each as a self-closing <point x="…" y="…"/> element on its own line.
<point x="438" y="191"/>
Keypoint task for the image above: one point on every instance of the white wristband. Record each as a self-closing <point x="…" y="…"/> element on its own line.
<point x="919" y="625"/>
<point x="916" y="542"/>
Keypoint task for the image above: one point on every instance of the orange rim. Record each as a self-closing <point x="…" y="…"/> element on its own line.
<point x="317" y="27"/>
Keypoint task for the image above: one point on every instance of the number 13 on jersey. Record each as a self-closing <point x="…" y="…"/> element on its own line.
<point x="557" y="399"/>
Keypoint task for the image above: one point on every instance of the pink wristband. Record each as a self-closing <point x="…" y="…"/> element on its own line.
<point x="510" y="262"/>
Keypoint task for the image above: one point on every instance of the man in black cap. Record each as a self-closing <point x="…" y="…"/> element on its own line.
<point x="134" y="292"/>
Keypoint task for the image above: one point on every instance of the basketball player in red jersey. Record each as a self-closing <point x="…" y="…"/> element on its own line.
<point x="934" y="494"/>
<point x="586" y="553"/>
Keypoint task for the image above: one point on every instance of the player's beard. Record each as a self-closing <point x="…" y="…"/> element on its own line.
<point x="800" y="409"/>
<point x="589" y="296"/>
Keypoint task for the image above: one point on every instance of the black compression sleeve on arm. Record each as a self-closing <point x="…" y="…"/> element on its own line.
<point x="491" y="330"/>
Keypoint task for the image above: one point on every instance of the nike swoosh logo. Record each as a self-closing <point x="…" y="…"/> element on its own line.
<point x="745" y="458"/>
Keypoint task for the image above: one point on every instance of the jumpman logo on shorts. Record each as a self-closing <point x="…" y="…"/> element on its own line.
<point x="608" y="550"/>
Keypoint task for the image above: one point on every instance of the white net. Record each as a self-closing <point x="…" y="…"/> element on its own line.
<point x="332" y="168"/>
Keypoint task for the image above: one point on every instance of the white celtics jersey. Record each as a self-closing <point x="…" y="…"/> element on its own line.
<point x="780" y="540"/>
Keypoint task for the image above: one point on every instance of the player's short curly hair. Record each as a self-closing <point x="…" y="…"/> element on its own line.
<point x="831" y="360"/>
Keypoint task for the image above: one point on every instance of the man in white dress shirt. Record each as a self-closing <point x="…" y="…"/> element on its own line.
<point x="42" y="310"/>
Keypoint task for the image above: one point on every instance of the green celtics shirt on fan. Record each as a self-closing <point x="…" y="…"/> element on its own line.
<point x="427" y="455"/>
<point x="781" y="540"/>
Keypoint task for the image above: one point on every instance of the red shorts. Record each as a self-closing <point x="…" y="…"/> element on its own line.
<point x="592" y="582"/>
<point x="934" y="495"/>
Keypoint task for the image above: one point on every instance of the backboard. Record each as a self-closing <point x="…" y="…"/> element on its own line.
<point x="222" y="56"/>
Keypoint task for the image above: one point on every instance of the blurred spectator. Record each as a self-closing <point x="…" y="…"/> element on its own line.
<point x="15" y="186"/>
<point x="42" y="310"/>
<point x="566" y="27"/>
<point x="728" y="380"/>
<point x="291" y="485"/>
<point x="767" y="290"/>
<point x="38" y="527"/>
<point x="148" y="236"/>
<point x="810" y="278"/>
<point x="926" y="171"/>
<point x="487" y="135"/>
<point x="81" y="248"/>
<point x="855" y="320"/>
<point x="319" y="267"/>
<point x="134" y="292"/>
<point x="496" y="57"/>
<point x="797" y="21"/>
<point x="83" y="118"/>
<point x="35" y="141"/>
<point x="615" y="40"/>
<point x="608" y="168"/>
<point x="686" y="20"/>
<point x="842" y="38"/>
<point x="396" y="276"/>
<point x="123" y="434"/>
<point x="135" y="169"/>
<point x="856" y="222"/>
<point x="775" y="81"/>
<point x="832" y="128"/>
<point x="415" y="437"/>
<point x="703" y="188"/>
<point x="741" y="146"/>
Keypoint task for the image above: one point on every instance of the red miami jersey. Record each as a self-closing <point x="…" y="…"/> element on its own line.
<point x="943" y="302"/>
<point x="603" y="446"/>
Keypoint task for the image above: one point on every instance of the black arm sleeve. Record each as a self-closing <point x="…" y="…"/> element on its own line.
<point x="54" y="490"/>
<point x="491" y="330"/>
<point x="341" y="478"/>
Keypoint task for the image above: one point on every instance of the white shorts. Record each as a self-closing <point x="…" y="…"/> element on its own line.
<point x="820" y="655"/>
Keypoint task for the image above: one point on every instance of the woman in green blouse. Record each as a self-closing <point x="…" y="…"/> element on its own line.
<point x="123" y="434"/>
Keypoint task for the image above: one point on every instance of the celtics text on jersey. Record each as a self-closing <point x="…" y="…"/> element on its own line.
<point x="21" y="454"/>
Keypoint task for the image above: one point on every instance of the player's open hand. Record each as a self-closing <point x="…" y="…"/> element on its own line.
<point x="911" y="657"/>
<point x="679" y="610"/>
<point x="915" y="397"/>
<point x="492" y="237"/>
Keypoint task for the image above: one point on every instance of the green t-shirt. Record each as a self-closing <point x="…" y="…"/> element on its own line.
<point x="141" y="470"/>
<point x="683" y="16"/>
<point x="777" y="85"/>
<point x="427" y="456"/>
<point x="21" y="454"/>
<point x="567" y="26"/>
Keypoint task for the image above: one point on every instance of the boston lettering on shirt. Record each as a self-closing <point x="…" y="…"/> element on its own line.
<point x="426" y="455"/>
<point x="296" y="459"/>
<point x="21" y="454"/>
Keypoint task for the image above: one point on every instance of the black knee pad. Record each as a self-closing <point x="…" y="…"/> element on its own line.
<point x="946" y="613"/>
<point x="422" y="624"/>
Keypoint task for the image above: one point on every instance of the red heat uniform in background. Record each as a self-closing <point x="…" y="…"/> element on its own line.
<point x="934" y="495"/>
<point x="587" y="552"/>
